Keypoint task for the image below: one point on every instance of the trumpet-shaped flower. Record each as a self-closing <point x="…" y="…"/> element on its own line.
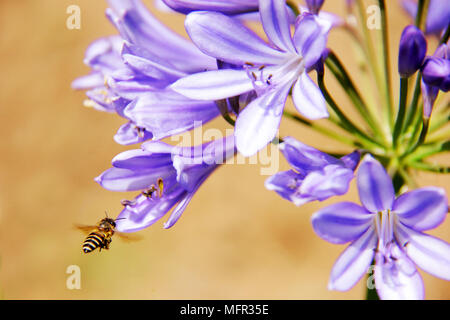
<point x="271" y="70"/>
<point x="436" y="76"/>
<point x="131" y="72"/>
<point x="316" y="175"/>
<point x="388" y="229"/>
<point x="167" y="176"/>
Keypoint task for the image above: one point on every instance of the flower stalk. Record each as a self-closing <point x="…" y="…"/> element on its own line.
<point x="401" y="111"/>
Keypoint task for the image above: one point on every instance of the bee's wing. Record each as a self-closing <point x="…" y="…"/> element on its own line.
<point x="127" y="237"/>
<point x="84" y="227"/>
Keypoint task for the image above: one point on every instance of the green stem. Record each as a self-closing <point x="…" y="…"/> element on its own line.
<point x="371" y="292"/>
<point x="223" y="108"/>
<point x="345" y="121"/>
<point x="401" y="110"/>
<point x="424" y="166"/>
<point x="438" y="136"/>
<point x="440" y="120"/>
<point x="335" y="66"/>
<point x="386" y="58"/>
<point x="423" y="135"/>
<point x="446" y="35"/>
<point x="294" y="7"/>
<point x="422" y="8"/>
<point x="407" y="178"/>
<point x="414" y="102"/>
<point x="369" y="45"/>
<point x="416" y="126"/>
<point x="427" y="150"/>
<point x="322" y="130"/>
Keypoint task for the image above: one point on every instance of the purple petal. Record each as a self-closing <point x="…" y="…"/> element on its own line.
<point x="422" y="209"/>
<point x="224" y="6"/>
<point x="354" y="262"/>
<point x="138" y="26"/>
<point x="333" y="180"/>
<point x="190" y="174"/>
<point x="437" y="17"/>
<point x="101" y="99"/>
<point x="179" y="209"/>
<point x="227" y="39"/>
<point x="326" y="19"/>
<point x="136" y="170"/>
<point x="436" y="73"/>
<point x="104" y="54"/>
<point x="133" y="86"/>
<point x="144" y="212"/>
<point x="258" y="123"/>
<point x="117" y="179"/>
<point x="308" y="99"/>
<point x="92" y="80"/>
<point x="214" y="85"/>
<point x="412" y="50"/>
<point x="341" y="222"/>
<point x="398" y="279"/>
<point x="429" y="94"/>
<point x="136" y="159"/>
<point x="165" y="113"/>
<point x="284" y="183"/>
<point x="428" y="253"/>
<point x="375" y="188"/>
<point x="310" y="38"/>
<point x="142" y="61"/>
<point x="351" y="160"/>
<point x="129" y="134"/>
<point x="275" y="20"/>
<point x="304" y="158"/>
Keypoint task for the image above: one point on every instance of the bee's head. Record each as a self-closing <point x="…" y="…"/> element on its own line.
<point x="107" y="223"/>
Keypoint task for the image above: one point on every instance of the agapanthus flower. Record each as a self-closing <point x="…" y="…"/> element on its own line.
<point x="131" y="73"/>
<point x="438" y="15"/>
<point x="181" y="170"/>
<point x="270" y="70"/>
<point x="103" y="57"/>
<point x="388" y="229"/>
<point x="315" y="175"/>
<point x="412" y="51"/>
<point x="435" y="77"/>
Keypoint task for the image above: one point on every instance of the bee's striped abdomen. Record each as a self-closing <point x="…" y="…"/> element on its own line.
<point x="93" y="241"/>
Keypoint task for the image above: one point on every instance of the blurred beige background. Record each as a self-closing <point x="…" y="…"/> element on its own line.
<point x="236" y="240"/>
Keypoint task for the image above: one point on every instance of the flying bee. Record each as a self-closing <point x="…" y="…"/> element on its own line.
<point x="100" y="235"/>
<point x="158" y="189"/>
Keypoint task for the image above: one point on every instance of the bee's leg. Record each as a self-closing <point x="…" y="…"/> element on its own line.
<point x="106" y="244"/>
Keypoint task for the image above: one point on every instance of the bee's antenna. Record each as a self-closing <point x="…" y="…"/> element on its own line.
<point x="119" y="219"/>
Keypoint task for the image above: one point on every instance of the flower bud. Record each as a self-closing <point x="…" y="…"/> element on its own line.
<point x="314" y="5"/>
<point x="413" y="48"/>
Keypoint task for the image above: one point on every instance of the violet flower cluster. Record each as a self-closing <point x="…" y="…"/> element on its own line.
<point x="163" y="84"/>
